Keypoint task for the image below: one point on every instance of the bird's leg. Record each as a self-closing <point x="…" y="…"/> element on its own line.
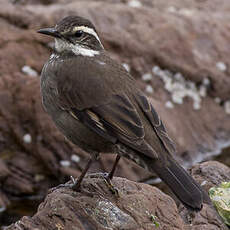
<point x="109" y="177"/>
<point x="77" y="183"/>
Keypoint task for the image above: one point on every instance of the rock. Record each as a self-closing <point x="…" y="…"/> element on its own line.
<point x="137" y="206"/>
<point x="211" y="173"/>
<point x="95" y="207"/>
<point x="208" y="174"/>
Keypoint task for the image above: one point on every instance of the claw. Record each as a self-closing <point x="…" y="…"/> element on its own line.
<point x="69" y="185"/>
<point x="109" y="184"/>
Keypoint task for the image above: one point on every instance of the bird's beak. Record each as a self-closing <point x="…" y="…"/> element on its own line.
<point x="50" y="31"/>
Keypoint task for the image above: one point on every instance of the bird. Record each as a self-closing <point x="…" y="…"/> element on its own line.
<point x="95" y="102"/>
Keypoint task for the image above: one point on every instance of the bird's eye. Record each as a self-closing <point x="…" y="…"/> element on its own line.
<point x="78" y="33"/>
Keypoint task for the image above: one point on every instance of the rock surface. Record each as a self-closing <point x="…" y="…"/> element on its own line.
<point x="137" y="206"/>
<point x="96" y="208"/>
<point x="190" y="37"/>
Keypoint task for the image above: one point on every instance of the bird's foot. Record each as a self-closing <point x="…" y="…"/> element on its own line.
<point x="109" y="184"/>
<point x="107" y="180"/>
<point x="75" y="185"/>
<point x="72" y="184"/>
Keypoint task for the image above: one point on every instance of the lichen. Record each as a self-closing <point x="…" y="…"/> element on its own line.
<point x="179" y="87"/>
<point x="220" y="197"/>
<point x="154" y="220"/>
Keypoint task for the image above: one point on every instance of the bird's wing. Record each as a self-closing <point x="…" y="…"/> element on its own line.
<point x="104" y="100"/>
<point x="83" y="82"/>
<point x="156" y="122"/>
<point x="117" y="120"/>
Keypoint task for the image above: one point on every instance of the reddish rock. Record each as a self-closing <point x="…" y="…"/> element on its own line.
<point x="97" y="208"/>
<point x="208" y="174"/>
<point x="211" y="173"/>
<point x="137" y="206"/>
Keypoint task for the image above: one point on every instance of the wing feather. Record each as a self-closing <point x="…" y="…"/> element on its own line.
<point x="117" y="121"/>
<point x="156" y="122"/>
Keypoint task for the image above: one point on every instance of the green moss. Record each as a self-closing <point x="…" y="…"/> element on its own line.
<point x="154" y="220"/>
<point x="220" y="197"/>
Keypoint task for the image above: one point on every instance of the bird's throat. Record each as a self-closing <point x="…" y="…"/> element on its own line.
<point x="64" y="46"/>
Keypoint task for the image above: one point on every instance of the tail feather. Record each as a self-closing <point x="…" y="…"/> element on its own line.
<point x="187" y="190"/>
<point x="181" y="183"/>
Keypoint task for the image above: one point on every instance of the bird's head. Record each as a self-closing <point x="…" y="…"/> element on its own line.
<point x="75" y="34"/>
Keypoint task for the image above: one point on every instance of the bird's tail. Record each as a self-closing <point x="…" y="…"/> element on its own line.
<point x="187" y="190"/>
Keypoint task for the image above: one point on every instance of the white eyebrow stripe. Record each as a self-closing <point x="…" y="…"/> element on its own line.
<point x="89" y="31"/>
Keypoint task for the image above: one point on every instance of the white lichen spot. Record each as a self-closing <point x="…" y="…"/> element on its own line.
<point x="101" y="62"/>
<point x="177" y="98"/>
<point x="75" y="158"/>
<point x="179" y="77"/>
<point x="217" y="100"/>
<point x="126" y="66"/>
<point x="169" y="105"/>
<point x="196" y="105"/>
<point x="172" y="9"/>
<point x="149" y="89"/>
<point x="180" y="88"/>
<point x="156" y="70"/>
<point x="29" y="71"/>
<point x="186" y="12"/>
<point x="203" y="91"/>
<point x="221" y="66"/>
<point x="206" y="81"/>
<point x="147" y="77"/>
<point x="204" y="183"/>
<point x="227" y="106"/>
<point x="65" y="163"/>
<point x="27" y="138"/>
<point x="134" y="3"/>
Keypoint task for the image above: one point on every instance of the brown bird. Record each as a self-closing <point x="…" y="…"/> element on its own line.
<point x="96" y="104"/>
